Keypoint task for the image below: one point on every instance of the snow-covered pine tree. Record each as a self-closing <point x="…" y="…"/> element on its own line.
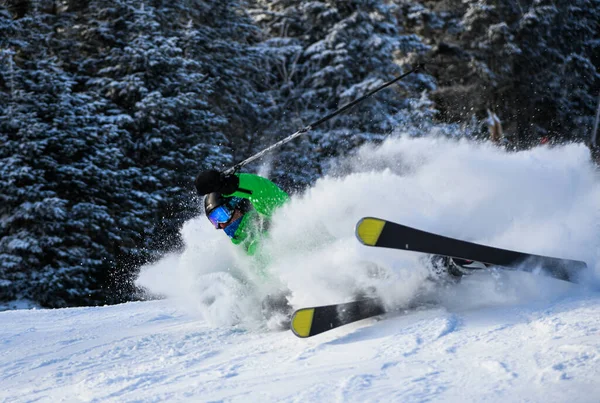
<point x="113" y="109"/>
<point x="221" y="38"/>
<point x="194" y="96"/>
<point x="172" y="132"/>
<point x="558" y="67"/>
<point x="58" y="172"/>
<point x="191" y="83"/>
<point x="530" y="61"/>
<point x="330" y="53"/>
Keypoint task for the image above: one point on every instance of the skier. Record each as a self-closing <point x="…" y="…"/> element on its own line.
<point x="240" y="204"/>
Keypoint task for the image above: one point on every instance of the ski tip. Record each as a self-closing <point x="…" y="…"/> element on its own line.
<point x="368" y="230"/>
<point x="302" y="322"/>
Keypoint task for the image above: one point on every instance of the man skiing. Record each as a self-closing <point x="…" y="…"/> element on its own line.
<point x="240" y="204"/>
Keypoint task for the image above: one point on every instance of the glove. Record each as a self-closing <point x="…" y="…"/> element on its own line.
<point x="214" y="181"/>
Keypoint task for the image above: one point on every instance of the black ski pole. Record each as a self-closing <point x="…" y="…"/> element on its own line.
<point x="311" y="126"/>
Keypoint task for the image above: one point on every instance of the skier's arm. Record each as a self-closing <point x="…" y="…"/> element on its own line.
<point x="264" y="195"/>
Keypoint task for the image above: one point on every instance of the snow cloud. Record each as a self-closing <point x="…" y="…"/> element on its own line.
<point x="542" y="201"/>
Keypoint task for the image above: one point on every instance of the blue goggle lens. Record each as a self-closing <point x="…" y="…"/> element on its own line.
<point x="220" y="215"/>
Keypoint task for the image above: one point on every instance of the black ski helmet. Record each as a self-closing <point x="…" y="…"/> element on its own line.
<point x="212" y="201"/>
<point x="216" y="199"/>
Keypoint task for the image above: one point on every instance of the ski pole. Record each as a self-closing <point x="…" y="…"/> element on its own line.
<point x="311" y="126"/>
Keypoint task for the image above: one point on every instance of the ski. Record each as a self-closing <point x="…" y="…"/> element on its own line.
<point x="307" y="322"/>
<point x="381" y="233"/>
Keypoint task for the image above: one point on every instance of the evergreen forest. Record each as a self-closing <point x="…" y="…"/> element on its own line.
<point x="109" y="109"/>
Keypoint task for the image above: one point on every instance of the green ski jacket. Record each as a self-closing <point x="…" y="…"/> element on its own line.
<point x="265" y="197"/>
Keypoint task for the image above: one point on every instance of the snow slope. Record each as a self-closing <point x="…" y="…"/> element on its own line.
<point x="502" y="338"/>
<point x="547" y="351"/>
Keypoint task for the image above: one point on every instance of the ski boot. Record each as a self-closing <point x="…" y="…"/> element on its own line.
<point x="460" y="267"/>
<point x="453" y="266"/>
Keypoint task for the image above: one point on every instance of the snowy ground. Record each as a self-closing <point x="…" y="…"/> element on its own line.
<point x="547" y="351"/>
<point x="512" y="337"/>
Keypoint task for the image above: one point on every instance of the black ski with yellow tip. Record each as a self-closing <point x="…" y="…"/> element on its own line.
<point x="307" y="322"/>
<point x="381" y="233"/>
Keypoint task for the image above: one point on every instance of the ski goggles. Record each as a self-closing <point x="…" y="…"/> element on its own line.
<point x="220" y="215"/>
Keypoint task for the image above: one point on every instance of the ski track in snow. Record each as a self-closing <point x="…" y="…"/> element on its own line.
<point x="153" y="351"/>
